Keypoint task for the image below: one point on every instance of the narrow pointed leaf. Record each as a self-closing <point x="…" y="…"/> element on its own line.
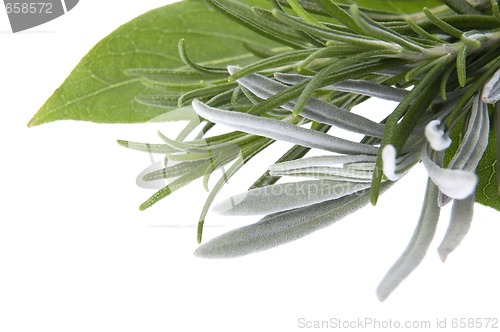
<point x="474" y="142"/>
<point x="315" y="109"/>
<point x="454" y="183"/>
<point x="475" y="139"/>
<point x="398" y="6"/>
<point x="460" y="222"/>
<point x="348" y="173"/>
<point x="320" y="161"/>
<point x="491" y="90"/>
<point x="283" y="227"/>
<point x="286" y="196"/>
<point x="418" y="246"/>
<point x="361" y="87"/>
<point x="280" y="130"/>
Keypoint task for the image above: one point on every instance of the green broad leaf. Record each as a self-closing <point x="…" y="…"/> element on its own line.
<point x="100" y="90"/>
<point x="487" y="192"/>
<point x="395" y="6"/>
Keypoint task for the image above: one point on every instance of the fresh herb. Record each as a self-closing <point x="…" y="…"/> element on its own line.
<point x="289" y="70"/>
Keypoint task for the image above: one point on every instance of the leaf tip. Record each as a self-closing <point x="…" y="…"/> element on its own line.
<point x="375" y="188"/>
<point x="443" y="254"/>
<point x="233" y="70"/>
<point x="204" y="251"/>
<point x="32" y="122"/>
<point x="198" y="253"/>
<point x="381" y="297"/>
<point x="147" y="204"/>
<point x="122" y="143"/>
<point x="37" y="119"/>
<point x="199" y="233"/>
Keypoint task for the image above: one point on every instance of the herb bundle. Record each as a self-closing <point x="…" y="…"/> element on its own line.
<point x="293" y="72"/>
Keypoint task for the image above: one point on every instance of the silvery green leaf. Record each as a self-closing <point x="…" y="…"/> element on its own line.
<point x="407" y="161"/>
<point x="418" y="246"/>
<point x="344" y="174"/>
<point x="286" y="196"/>
<point x="280" y="130"/>
<point x="361" y="87"/>
<point x="454" y="183"/>
<point x="460" y="222"/>
<point x="315" y="109"/>
<point x="474" y="142"/>
<point x="291" y="79"/>
<point x="336" y="174"/>
<point x="281" y="228"/>
<point x="356" y="168"/>
<point x="320" y="161"/>
<point x="361" y="167"/>
<point x="370" y="89"/>
<point x="491" y="90"/>
<point x="475" y="139"/>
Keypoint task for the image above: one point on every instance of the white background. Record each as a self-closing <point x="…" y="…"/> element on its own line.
<point x="77" y="255"/>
